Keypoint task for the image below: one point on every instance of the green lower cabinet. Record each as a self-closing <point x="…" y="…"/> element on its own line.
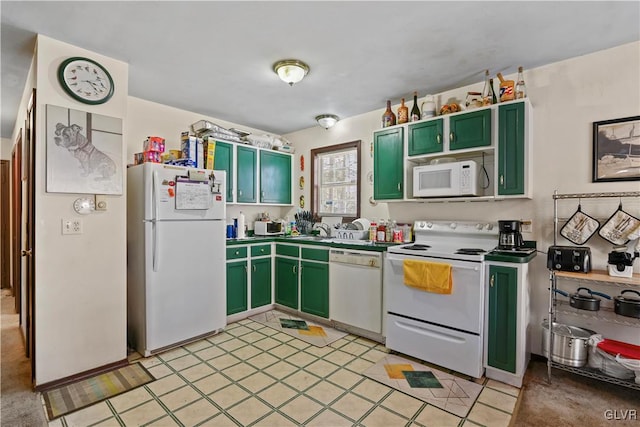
<point x="260" y="282"/>
<point x="287" y="282"/>
<point x="236" y="287"/>
<point x="502" y="318"/>
<point x="314" y="288"/>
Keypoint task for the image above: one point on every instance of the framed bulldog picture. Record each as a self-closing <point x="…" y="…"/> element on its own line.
<point x="84" y="152"/>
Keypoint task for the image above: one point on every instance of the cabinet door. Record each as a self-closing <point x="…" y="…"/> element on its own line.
<point x="260" y="282"/>
<point x="425" y="137"/>
<point x="470" y="130"/>
<point x="246" y="175"/>
<point x="236" y="287"/>
<point x="503" y="305"/>
<point x="388" y="171"/>
<point x="223" y="160"/>
<point x="314" y="288"/>
<point x="511" y="162"/>
<point x="287" y="282"/>
<point x="275" y="178"/>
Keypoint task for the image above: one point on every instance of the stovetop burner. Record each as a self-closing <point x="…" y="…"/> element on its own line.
<point x="417" y="247"/>
<point x="470" y="251"/>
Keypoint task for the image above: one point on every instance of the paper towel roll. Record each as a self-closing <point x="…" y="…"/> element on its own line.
<point x="241" y="226"/>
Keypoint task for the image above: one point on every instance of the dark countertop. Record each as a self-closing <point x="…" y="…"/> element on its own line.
<point x="513" y="257"/>
<point x="311" y="240"/>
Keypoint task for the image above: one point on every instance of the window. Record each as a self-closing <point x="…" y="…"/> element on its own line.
<point x="335" y="180"/>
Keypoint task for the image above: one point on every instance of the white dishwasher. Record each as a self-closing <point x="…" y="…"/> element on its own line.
<point x="355" y="288"/>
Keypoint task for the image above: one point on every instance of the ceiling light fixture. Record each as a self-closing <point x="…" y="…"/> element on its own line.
<point x="327" y="120"/>
<point x="291" y="70"/>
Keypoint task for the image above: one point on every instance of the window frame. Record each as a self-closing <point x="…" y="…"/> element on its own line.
<point x="314" y="182"/>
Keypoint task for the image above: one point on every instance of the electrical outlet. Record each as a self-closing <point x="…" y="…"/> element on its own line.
<point x="71" y="226"/>
<point x="526" y="226"/>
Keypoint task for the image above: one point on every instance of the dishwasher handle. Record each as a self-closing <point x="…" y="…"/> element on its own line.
<point x="355" y="258"/>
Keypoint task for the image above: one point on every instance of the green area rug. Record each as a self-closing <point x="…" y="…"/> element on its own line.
<point x="72" y="397"/>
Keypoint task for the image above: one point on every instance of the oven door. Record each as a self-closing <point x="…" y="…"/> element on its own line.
<point x="461" y="310"/>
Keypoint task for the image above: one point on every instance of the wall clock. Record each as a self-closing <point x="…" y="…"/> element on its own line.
<point x="85" y="80"/>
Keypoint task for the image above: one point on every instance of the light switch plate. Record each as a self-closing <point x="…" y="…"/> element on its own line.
<point x="71" y="226"/>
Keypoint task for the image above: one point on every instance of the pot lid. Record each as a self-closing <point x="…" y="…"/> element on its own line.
<point x="569" y="331"/>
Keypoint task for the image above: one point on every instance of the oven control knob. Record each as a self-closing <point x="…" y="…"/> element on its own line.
<point x="489" y="226"/>
<point x="479" y="226"/>
<point x="453" y="225"/>
<point x="428" y="225"/>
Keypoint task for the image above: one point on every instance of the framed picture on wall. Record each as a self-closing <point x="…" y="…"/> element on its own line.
<point x="616" y="150"/>
<point x="84" y="152"/>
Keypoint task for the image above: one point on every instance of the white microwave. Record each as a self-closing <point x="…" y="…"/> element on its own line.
<point x="446" y="179"/>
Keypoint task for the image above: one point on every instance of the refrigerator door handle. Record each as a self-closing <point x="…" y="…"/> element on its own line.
<point x="154" y="195"/>
<point x="154" y="201"/>
<point x="154" y="225"/>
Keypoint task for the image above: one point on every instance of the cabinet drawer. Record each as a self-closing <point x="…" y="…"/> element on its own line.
<point x="260" y="250"/>
<point x="235" y="252"/>
<point x="315" y="254"/>
<point x="287" y="250"/>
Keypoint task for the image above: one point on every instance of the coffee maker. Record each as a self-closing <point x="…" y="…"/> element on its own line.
<point x="510" y="237"/>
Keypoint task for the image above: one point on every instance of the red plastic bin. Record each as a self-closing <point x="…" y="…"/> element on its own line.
<point x="624" y="349"/>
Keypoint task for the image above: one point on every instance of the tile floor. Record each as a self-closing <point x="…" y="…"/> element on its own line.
<point x="253" y="375"/>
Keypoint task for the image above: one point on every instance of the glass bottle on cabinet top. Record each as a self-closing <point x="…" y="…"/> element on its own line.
<point x="403" y="113"/>
<point x="487" y="90"/>
<point x="521" y="89"/>
<point x="388" y="118"/>
<point x="415" y="111"/>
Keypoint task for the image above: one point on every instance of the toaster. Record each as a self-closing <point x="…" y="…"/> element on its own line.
<point x="569" y="258"/>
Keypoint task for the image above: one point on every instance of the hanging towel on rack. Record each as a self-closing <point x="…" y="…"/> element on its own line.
<point x="427" y="276"/>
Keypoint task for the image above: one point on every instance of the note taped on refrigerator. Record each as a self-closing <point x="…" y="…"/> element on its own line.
<point x="193" y="194"/>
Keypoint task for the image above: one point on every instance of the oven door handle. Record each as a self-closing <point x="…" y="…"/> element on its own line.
<point x="396" y="260"/>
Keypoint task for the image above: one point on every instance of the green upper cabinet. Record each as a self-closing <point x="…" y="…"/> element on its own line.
<point x="314" y="288"/>
<point x="275" y="178"/>
<point x="223" y="160"/>
<point x="388" y="170"/>
<point x="425" y="137"/>
<point x="511" y="149"/>
<point x="502" y="326"/>
<point x="260" y="282"/>
<point x="470" y="130"/>
<point x="246" y="175"/>
<point x="286" y="286"/>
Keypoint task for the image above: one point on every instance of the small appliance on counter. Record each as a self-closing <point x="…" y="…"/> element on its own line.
<point x="510" y="236"/>
<point x="620" y="262"/>
<point x="268" y="228"/>
<point x="569" y="258"/>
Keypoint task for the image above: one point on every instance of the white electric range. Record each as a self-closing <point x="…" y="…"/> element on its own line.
<point x="445" y="330"/>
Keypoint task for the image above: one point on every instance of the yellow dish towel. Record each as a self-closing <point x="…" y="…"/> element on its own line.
<point x="427" y="276"/>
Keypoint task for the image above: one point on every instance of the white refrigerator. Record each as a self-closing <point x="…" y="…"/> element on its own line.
<point x="176" y="272"/>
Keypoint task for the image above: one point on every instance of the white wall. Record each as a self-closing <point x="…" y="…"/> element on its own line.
<point x="146" y="118"/>
<point x="567" y="97"/>
<point x="5" y="149"/>
<point x="80" y="279"/>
